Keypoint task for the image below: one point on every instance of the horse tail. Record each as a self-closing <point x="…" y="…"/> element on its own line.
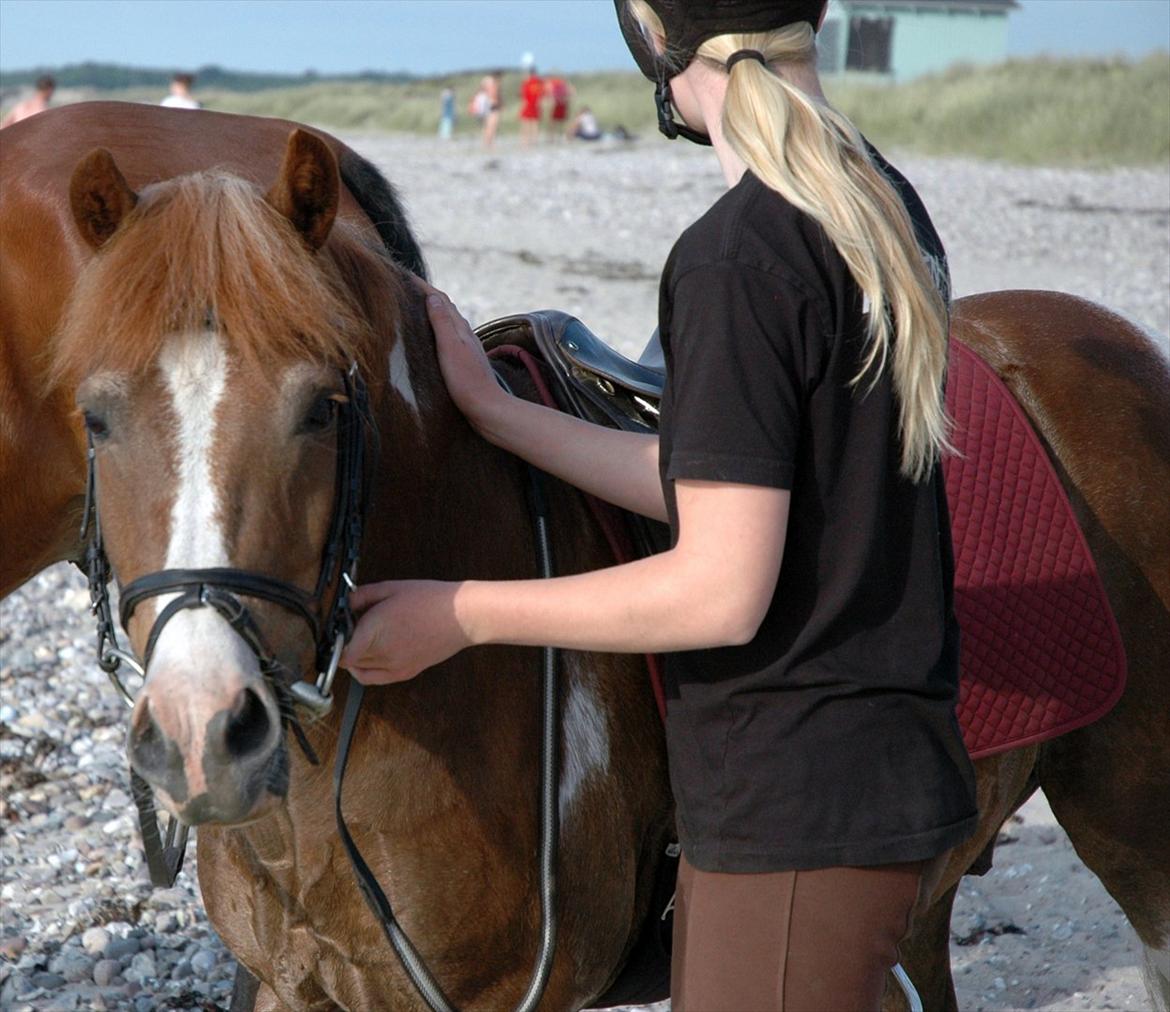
<point x="380" y="202"/>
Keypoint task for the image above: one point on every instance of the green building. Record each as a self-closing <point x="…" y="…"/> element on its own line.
<point x="902" y="39"/>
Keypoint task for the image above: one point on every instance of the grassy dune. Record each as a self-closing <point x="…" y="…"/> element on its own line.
<point x="1039" y="111"/>
<point x="1031" y="112"/>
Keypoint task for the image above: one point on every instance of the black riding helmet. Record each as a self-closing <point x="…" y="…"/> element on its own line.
<point x="690" y="23"/>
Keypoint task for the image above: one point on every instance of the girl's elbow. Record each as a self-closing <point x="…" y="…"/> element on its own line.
<point x="740" y="623"/>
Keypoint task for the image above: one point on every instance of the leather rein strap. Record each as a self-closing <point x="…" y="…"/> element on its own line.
<point x="412" y="963"/>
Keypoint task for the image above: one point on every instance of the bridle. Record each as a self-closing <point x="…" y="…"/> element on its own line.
<point x="221" y="589"/>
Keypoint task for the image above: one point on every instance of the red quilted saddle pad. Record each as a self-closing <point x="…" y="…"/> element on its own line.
<point x="1041" y="651"/>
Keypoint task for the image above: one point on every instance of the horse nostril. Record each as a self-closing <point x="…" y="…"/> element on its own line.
<point x="247" y="725"/>
<point x="148" y="747"/>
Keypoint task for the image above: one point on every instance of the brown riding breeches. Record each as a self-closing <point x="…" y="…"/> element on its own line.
<point x="793" y="941"/>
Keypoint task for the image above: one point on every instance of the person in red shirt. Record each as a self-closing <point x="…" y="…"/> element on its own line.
<point x="560" y="92"/>
<point x="531" y="97"/>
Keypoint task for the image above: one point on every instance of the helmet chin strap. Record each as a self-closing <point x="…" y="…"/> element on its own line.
<point x="669" y="126"/>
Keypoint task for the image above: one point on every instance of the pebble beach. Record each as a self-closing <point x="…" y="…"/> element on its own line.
<point x="583" y="228"/>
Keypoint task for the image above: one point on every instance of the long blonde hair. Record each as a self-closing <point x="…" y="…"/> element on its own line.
<point x="817" y="160"/>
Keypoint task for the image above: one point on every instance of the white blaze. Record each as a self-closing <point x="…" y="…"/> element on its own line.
<point x="194" y="369"/>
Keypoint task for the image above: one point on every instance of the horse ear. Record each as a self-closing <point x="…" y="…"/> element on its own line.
<point x="307" y="189"/>
<point x="99" y="196"/>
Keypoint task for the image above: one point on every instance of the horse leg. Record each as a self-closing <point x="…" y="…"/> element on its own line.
<point x="1114" y="806"/>
<point x="926" y="959"/>
<point x="1107" y="782"/>
<point x="1002" y="783"/>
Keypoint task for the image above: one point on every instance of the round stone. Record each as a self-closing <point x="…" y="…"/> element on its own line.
<point x="119" y="947"/>
<point x="95" y="941"/>
<point x="203" y="962"/>
<point x="142" y="967"/>
<point x="77" y="969"/>
<point x="13" y="946"/>
<point x="106" y="971"/>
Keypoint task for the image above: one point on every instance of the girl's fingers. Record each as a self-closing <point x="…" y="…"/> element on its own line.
<point x="369" y="594"/>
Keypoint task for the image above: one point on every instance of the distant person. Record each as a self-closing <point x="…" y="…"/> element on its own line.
<point x="531" y="98"/>
<point x="446" y="113"/>
<point x="560" y="92"/>
<point x="38" y="101"/>
<point x="180" y="96"/>
<point x="490" y="103"/>
<point x="584" y="126"/>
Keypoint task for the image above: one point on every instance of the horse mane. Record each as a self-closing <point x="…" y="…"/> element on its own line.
<point x="205" y="250"/>
<point x="378" y="198"/>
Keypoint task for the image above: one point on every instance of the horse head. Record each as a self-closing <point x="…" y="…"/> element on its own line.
<point x="214" y="337"/>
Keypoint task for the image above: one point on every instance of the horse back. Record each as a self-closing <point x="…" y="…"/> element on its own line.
<point x="1097" y="389"/>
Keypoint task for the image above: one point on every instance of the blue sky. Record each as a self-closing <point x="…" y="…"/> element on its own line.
<point x="334" y="36"/>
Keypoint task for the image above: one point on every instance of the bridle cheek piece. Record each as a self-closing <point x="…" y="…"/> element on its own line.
<point x="221" y="589"/>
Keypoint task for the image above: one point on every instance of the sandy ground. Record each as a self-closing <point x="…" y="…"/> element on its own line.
<point x="586" y="230"/>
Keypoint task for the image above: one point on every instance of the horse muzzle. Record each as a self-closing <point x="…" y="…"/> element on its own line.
<point x="211" y="756"/>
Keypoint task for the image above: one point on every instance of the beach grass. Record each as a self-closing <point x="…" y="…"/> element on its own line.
<point x="1028" y="112"/>
<point x="1041" y="111"/>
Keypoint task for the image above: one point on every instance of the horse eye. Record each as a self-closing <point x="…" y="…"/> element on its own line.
<point x="96" y="426"/>
<point x="321" y="415"/>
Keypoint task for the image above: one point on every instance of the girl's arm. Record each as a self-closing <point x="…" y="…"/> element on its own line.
<point x="712" y="589"/>
<point x="620" y="467"/>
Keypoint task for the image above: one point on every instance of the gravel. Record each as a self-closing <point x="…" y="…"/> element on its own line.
<point x="585" y="230"/>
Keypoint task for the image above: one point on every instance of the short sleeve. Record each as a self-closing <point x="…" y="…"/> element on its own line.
<point x="741" y="341"/>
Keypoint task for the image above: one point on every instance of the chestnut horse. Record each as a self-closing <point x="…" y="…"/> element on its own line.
<point x="206" y="326"/>
<point x="205" y="339"/>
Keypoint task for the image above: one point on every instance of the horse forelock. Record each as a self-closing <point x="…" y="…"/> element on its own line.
<point x="207" y="251"/>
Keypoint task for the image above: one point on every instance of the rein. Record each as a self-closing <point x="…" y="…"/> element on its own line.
<point x="217" y="588"/>
<point x="412" y="963"/>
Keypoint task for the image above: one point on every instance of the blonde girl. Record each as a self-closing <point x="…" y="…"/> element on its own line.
<point x="804" y="606"/>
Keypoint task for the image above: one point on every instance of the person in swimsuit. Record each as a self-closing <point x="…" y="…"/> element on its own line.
<point x="805" y="604"/>
<point x="492" y="102"/>
<point x="37" y="102"/>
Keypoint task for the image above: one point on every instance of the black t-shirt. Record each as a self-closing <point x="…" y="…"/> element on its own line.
<point x="831" y="738"/>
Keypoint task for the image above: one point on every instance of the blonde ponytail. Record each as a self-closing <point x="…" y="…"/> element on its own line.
<point x="817" y="160"/>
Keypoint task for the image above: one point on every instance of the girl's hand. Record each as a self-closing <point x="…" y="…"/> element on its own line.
<point x="408" y="626"/>
<point x="466" y="370"/>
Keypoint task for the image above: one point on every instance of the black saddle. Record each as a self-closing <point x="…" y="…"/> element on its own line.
<point x="592" y="380"/>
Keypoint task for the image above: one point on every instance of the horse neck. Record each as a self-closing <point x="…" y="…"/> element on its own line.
<point x="445" y="504"/>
